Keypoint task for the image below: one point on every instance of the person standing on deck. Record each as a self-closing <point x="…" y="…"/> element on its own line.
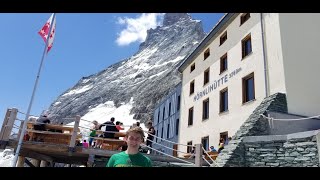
<point x="131" y="157"/>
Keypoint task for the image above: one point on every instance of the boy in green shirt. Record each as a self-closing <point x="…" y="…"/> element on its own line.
<point x="131" y="157"/>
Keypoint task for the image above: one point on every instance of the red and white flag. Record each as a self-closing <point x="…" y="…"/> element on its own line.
<point x="45" y="31"/>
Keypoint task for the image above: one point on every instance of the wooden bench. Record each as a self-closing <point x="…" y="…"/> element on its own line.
<point x="64" y="129"/>
<point x="51" y="137"/>
<point x="110" y="144"/>
<point x="213" y="155"/>
<point x="116" y="134"/>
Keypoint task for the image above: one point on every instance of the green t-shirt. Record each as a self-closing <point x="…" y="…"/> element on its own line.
<point x="93" y="133"/>
<point x="125" y="160"/>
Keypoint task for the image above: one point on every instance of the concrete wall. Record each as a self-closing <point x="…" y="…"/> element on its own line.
<point x="293" y="150"/>
<point x="300" y="39"/>
<point x="281" y="127"/>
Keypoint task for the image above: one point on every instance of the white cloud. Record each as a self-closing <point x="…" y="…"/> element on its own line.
<point x="136" y="28"/>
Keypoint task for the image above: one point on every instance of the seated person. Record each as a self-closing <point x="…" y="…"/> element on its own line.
<point x="85" y="144"/>
<point x="119" y="125"/>
<point x="42" y="120"/>
<point x="193" y="151"/>
<point x="212" y="149"/>
<point x="93" y="132"/>
<point x="221" y="145"/>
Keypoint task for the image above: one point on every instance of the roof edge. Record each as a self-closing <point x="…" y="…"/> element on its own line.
<point x="205" y="41"/>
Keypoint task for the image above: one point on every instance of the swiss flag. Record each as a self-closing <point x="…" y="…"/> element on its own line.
<point x="45" y="29"/>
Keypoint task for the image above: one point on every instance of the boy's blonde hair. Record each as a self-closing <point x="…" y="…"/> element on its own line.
<point x="137" y="130"/>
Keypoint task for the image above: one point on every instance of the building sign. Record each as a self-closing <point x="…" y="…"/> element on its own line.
<point x="216" y="84"/>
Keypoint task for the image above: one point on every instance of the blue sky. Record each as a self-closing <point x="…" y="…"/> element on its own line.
<point x="84" y="44"/>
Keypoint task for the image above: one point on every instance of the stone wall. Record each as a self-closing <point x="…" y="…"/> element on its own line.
<point x="253" y="145"/>
<point x="293" y="150"/>
<point x="255" y="125"/>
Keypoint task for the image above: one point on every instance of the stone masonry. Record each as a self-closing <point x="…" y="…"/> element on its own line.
<point x="255" y="125"/>
<point x="293" y="150"/>
<point x="252" y="146"/>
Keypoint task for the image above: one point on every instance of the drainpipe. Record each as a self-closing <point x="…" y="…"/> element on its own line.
<point x="265" y="63"/>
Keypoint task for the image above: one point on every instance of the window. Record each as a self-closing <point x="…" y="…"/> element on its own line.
<point x="192" y="87"/>
<point x="206" y="76"/>
<point x="178" y="103"/>
<point x="223" y="63"/>
<point x="205" y="142"/>
<point x="168" y="130"/>
<point x="206" y="54"/>
<point x="223" y="38"/>
<point x="189" y="148"/>
<point x="248" y="93"/>
<point x="246" y="46"/>
<point x="164" y="111"/>
<point x="224" y="100"/>
<point x="162" y="131"/>
<point x="244" y="17"/>
<point x="205" y="109"/>
<point x="159" y="115"/>
<point x="193" y="66"/>
<point x="224" y="136"/>
<point x="177" y="127"/>
<point x="190" y="117"/>
<point x="169" y="109"/>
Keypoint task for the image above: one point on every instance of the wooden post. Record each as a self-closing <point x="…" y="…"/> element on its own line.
<point x="74" y="134"/>
<point x="35" y="162"/>
<point x="198" y="155"/>
<point x="4" y="143"/>
<point x="4" y="123"/>
<point x="90" y="160"/>
<point x="9" y="124"/>
<point x="175" y="152"/>
<point x="21" y="125"/>
<point x="43" y="163"/>
<point x="20" y="162"/>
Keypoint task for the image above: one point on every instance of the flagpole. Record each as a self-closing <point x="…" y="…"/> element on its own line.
<point x="33" y="93"/>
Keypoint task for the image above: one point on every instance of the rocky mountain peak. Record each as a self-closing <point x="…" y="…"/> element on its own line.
<point x="141" y="80"/>
<point x="172" y="18"/>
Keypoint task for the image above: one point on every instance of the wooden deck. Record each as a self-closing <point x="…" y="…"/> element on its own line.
<point x="60" y="153"/>
<point x="60" y="144"/>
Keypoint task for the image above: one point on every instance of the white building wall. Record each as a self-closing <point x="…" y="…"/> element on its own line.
<point x="229" y="121"/>
<point x="300" y="37"/>
<point x="273" y="50"/>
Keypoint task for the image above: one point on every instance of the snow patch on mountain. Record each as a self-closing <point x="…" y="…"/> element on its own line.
<point x="80" y="90"/>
